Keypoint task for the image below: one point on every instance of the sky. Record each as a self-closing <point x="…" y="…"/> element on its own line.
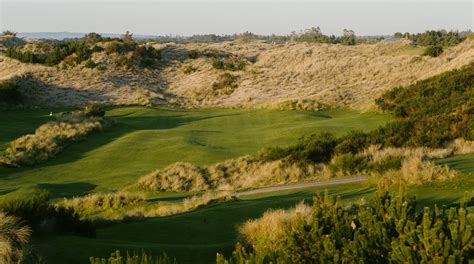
<point x="179" y="17"/>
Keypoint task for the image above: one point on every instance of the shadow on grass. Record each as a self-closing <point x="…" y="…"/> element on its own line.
<point x="67" y="190"/>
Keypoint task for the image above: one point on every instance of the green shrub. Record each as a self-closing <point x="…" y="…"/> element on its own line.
<point x="9" y="92"/>
<point x="218" y="64"/>
<point x="224" y="85"/>
<point x="231" y="64"/>
<point x="94" y="110"/>
<point x="429" y="113"/>
<point x="386" y="230"/>
<point x="353" y="142"/>
<point x="349" y="164"/>
<point x="134" y="258"/>
<point x="388" y="163"/>
<point x="189" y="69"/>
<point x="439" y="38"/>
<point x="193" y="54"/>
<point x="90" y="64"/>
<point x="315" y="148"/>
<point x="433" y="51"/>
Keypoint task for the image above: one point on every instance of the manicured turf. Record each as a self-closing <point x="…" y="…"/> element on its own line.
<point x="463" y="163"/>
<point x="144" y="139"/>
<point x="196" y="236"/>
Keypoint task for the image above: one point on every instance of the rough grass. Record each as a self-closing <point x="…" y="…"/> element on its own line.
<point x="50" y="139"/>
<point x="146" y="139"/>
<point x="331" y="74"/>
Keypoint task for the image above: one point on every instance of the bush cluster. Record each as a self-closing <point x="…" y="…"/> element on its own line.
<point x="224" y="85"/>
<point x="431" y="112"/>
<point x="315" y="148"/>
<point x="388" y="229"/>
<point x="439" y="38"/>
<point x="130" y="53"/>
<point x="75" y="51"/>
<point x="134" y="258"/>
<point x="433" y="51"/>
<point x="230" y="64"/>
<point x="56" y="53"/>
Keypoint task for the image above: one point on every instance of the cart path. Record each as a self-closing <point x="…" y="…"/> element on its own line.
<point x="304" y="185"/>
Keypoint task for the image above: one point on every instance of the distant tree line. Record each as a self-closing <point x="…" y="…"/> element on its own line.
<point x="440" y="38"/>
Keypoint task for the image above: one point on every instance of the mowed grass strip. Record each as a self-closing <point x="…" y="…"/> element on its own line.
<point x="144" y="139"/>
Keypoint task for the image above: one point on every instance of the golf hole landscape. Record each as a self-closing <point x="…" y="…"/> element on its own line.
<point x="307" y="147"/>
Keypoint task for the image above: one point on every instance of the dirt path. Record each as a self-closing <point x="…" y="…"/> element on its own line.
<point x="304" y="185"/>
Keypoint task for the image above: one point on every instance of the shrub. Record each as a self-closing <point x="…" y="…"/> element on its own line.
<point x="218" y="64"/>
<point x="193" y="54"/>
<point x="224" y="85"/>
<point x="231" y="64"/>
<point x="90" y="64"/>
<point x="431" y="112"/>
<point x="433" y="51"/>
<point x="94" y="110"/>
<point x="349" y="164"/>
<point x="315" y="148"/>
<point x="353" y="142"/>
<point x="189" y="69"/>
<point x="134" y="258"/>
<point x="388" y="229"/>
<point x="386" y="164"/>
<point x="9" y="92"/>
<point x="9" y="33"/>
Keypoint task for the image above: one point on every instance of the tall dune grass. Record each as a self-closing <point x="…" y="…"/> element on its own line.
<point x="50" y="138"/>
<point x="14" y="235"/>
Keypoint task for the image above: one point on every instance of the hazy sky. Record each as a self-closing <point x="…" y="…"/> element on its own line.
<point x="227" y="16"/>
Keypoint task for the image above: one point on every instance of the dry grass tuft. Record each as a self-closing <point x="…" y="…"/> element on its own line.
<point x="49" y="139"/>
<point x="266" y="234"/>
<point x="94" y="203"/>
<point x="233" y="174"/>
<point x="13" y="237"/>
<point x="179" y="176"/>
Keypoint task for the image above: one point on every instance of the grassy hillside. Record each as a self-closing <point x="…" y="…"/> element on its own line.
<point x="333" y="74"/>
<point x="144" y="139"/>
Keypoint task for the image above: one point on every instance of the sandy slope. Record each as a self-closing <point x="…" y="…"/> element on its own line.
<point x="334" y="74"/>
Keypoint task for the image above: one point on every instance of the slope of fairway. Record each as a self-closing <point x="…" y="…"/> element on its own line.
<point x="144" y="139"/>
<point x="196" y="236"/>
<point x="463" y="163"/>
